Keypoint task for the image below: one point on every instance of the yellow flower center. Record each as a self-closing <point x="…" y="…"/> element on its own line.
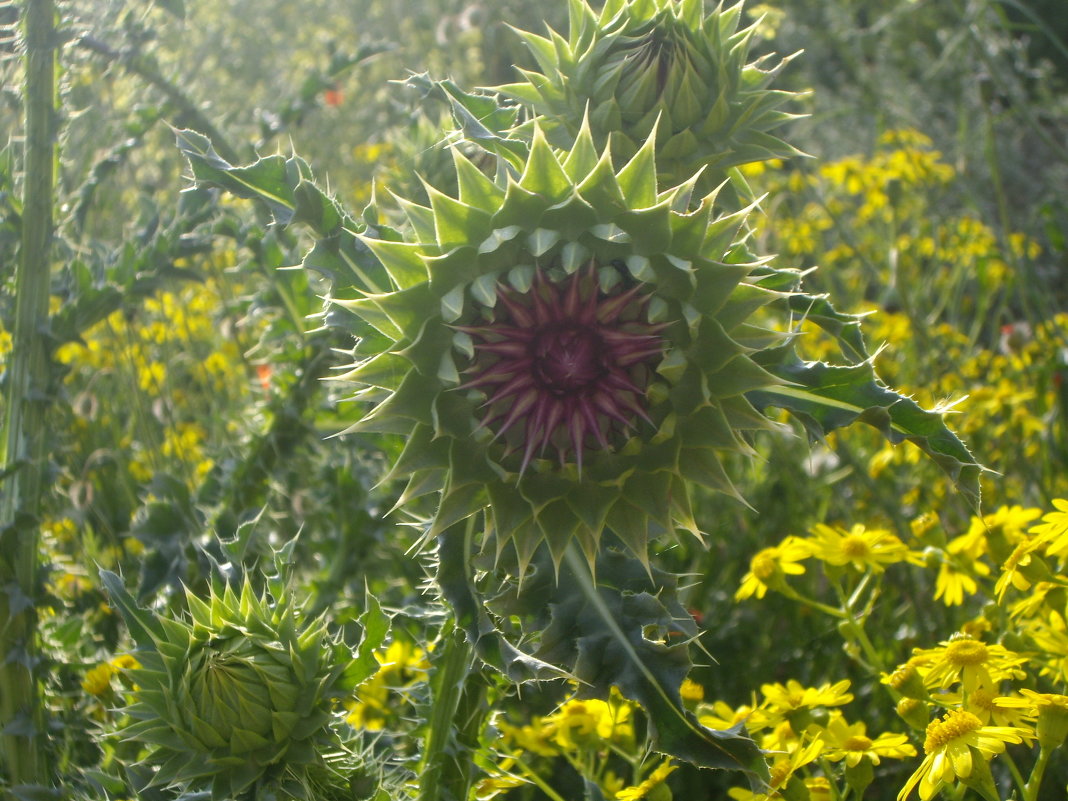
<point x="858" y="742"/>
<point x="956" y="724"/>
<point x="966" y="652"/>
<point x="780" y="772"/>
<point x="764" y="564"/>
<point x="855" y="547"/>
<point x="982" y="698"/>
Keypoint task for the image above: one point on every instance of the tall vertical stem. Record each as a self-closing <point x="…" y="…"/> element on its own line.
<point x="23" y="444"/>
<point x="445" y="772"/>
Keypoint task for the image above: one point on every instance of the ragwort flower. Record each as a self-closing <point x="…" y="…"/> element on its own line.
<point x="1050" y="709"/>
<point x="655" y="779"/>
<point x="861" y="547"/>
<point x="954" y="745"/>
<point x="568" y="349"/>
<point x="783" y="768"/>
<point x="956" y="578"/>
<point x="971" y="662"/>
<point x="769" y="568"/>
<point x="850" y="742"/>
<point x="1053" y="530"/>
<point x="794" y="703"/>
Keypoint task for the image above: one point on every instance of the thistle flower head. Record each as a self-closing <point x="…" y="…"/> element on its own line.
<point x="639" y="61"/>
<point x="568" y="348"/>
<point x="241" y="695"/>
<point x="565" y="365"/>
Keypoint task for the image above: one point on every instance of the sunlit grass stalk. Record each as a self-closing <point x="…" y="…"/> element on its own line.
<point x="21" y="712"/>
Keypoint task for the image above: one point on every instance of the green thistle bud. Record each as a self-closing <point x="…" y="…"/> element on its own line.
<point x="640" y="61"/>
<point x="242" y="695"/>
<point x="569" y="349"/>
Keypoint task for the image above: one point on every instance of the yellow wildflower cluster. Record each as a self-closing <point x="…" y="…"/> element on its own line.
<point x="1010" y="405"/>
<point x="802" y="728"/>
<point x="597" y="738"/>
<point x="876" y="212"/>
<point x="141" y="379"/>
<point x="962" y="677"/>
<point x="970" y="695"/>
<point x="968" y="692"/>
<point x="97" y="681"/>
<point x="382" y="699"/>
<point x="173" y="331"/>
<point x="859" y="549"/>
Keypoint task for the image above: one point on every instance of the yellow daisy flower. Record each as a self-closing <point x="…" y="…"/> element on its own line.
<point x="793" y="695"/>
<point x="949" y="750"/>
<point x="534" y="737"/>
<point x="955" y="581"/>
<point x="793" y="703"/>
<point x="997" y="532"/>
<point x="1051" y="709"/>
<point x="1020" y="568"/>
<point x="990" y="706"/>
<point x="97" y="681"/>
<point x="1033" y="603"/>
<point x="782" y="768"/>
<point x="971" y="662"/>
<point x="656" y="778"/>
<point x="721" y="715"/>
<point x="850" y="741"/>
<point x="579" y="722"/>
<point x="769" y="568"/>
<point x="860" y="547"/>
<point x="1054" y="529"/>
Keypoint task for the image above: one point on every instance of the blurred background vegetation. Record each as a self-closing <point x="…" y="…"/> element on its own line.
<point x="186" y="395"/>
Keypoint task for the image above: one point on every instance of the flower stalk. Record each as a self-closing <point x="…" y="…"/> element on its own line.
<point x="22" y="462"/>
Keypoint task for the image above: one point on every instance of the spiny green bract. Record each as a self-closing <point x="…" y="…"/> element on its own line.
<point x="504" y="257"/>
<point x="638" y="61"/>
<point x="243" y="695"/>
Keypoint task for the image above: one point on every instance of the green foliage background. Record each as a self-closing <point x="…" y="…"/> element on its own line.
<point x="186" y="394"/>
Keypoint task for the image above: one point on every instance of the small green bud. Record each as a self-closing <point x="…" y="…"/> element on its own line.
<point x="914" y="712"/>
<point x="1052" y="724"/>
<point x="859" y="776"/>
<point x="907" y="681"/>
<point x="981" y="779"/>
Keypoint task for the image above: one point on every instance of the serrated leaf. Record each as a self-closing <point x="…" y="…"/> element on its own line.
<point x="490" y="645"/>
<point x="268" y="179"/>
<point x="825" y="397"/>
<point x="598" y="631"/>
<point x="375" y="624"/>
<point x="144" y="627"/>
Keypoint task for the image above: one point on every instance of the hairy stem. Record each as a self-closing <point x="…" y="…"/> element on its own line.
<point x="21" y="711"/>
<point x="444" y="772"/>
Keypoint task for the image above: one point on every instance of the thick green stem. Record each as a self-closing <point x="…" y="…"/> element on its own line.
<point x="443" y="771"/>
<point x="21" y="712"/>
<point x="1034" y="782"/>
